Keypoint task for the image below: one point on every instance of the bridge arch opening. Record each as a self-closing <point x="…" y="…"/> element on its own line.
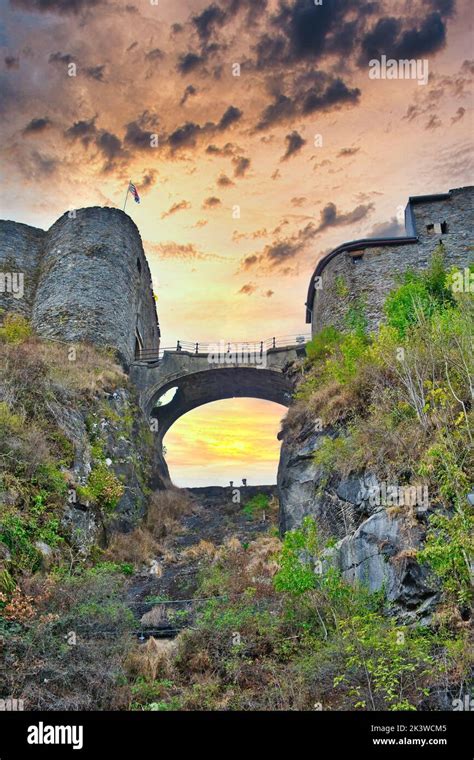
<point x="204" y="386"/>
<point x="225" y="440"/>
<point x="166" y="398"/>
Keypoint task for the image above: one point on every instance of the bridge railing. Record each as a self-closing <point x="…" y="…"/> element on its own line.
<point x="259" y="346"/>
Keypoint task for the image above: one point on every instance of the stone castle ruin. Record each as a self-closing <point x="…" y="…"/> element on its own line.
<point x="364" y="271"/>
<point x="87" y="277"/>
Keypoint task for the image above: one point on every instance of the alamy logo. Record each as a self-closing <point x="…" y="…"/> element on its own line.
<point x="466" y="703"/>
<point x="12" y="705"/>
<point x="462" y="281"/>
<point x="392" y="495"/>
<point x="244" y="354"/>
<point x="402" y="69"/>
<point x="12" y="282"/>
<point x="42" y="734"/>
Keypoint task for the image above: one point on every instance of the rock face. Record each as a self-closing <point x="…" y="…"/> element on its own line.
<point x="375" y="545"/>
<point x="129" y="452"/>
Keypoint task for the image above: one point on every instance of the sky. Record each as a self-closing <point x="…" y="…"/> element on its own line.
<point x="257" y="141"/>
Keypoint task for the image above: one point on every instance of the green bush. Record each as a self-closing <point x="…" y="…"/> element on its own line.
<point x="257" y="506"/>
<point x="449" y="550"/>
<point x="296" y="573"/>
<point x="419" y="294"/>
<point x="15" y="329"/>
<point x="103" y="488"/>
<point x="323" y="343"/>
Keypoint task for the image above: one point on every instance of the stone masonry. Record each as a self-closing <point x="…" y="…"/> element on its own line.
<point x="85" y="279"/>
<point x="362" y="272"/>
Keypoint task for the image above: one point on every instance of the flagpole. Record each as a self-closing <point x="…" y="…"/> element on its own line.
<point x="128" y="190"/>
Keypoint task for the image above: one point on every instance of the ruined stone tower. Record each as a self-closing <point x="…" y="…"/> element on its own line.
<point x="85" y="279"/>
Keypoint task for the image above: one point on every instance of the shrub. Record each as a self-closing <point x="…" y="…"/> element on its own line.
<point x="15" y="329"/>
<point x="164" y="509"/>
<point x="103" y="488"/>
<point x="321" y="345"/>
<point x="257" y="507"/>
<point x="448" y="550"/>
<point x="296" y="573"/>
<point x="419" y="294"/>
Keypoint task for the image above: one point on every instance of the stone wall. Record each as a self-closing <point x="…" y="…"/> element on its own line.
<point x="20" y="251"/>
<point x="365" y="274"/>
<point x="88" y="280"/>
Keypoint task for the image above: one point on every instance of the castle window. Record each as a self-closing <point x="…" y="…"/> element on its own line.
<point x="437" y="228"/>
<point x="138" y="343"/>
<point x="139" y="266"/>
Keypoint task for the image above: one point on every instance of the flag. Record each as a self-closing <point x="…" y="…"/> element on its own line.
<point x="134" y="192"/>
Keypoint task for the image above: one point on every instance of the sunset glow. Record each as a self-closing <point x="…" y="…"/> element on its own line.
<point x="247" y="174"/>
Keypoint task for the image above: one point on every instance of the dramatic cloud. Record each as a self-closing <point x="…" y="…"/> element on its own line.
<point x="207" y="21"/>
<point x="39" y="166"/>
<point x="441" y="87"/>
<point x="224" y="181"/>
<point x="321" y="97"/>
<point x="330" y="217"/>
<point x="347" y="152"/>
<point x="84" y="130"/>
<point x="111" y="148"/>
<point x="241" y="165"/>
<point x="247" y="289"/>
<point x="186" y="135"/>
<point x="189" y="91"/>
<point x="390" y="229"/>
<point x="36" y="126"/>
<point x="212" y="202"/>
<point x="173" y="250"/>
<point x="281" y="110"/>
<point x="95" y="72"/>
<point x="189" y="62"/>
<point x="314" y="91"/>
<point x="390" y="38"/>
<point x="11" y="62"/>
<point x="298" y="201"/>
<point x="137" y="135"/>
<point x="227" y="150"/>
<point x="181" y="206"/>
<point x="148" y="180"/>
<point x="61" y="58"/>
<point x="231" y="116"/>
<point x="459" y="115"/>
<point x="281" y="251"/>
<point x="156" y="54"/>
<point x="433" y="123"/>
<point x="108" y="144"/>
<point x="294" y="143"/>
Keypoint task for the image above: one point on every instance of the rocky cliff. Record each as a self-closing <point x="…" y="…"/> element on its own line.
<point x="370" y="544"/>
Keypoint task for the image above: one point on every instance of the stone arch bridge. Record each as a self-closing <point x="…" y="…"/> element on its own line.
<point x="202" y="374"/>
